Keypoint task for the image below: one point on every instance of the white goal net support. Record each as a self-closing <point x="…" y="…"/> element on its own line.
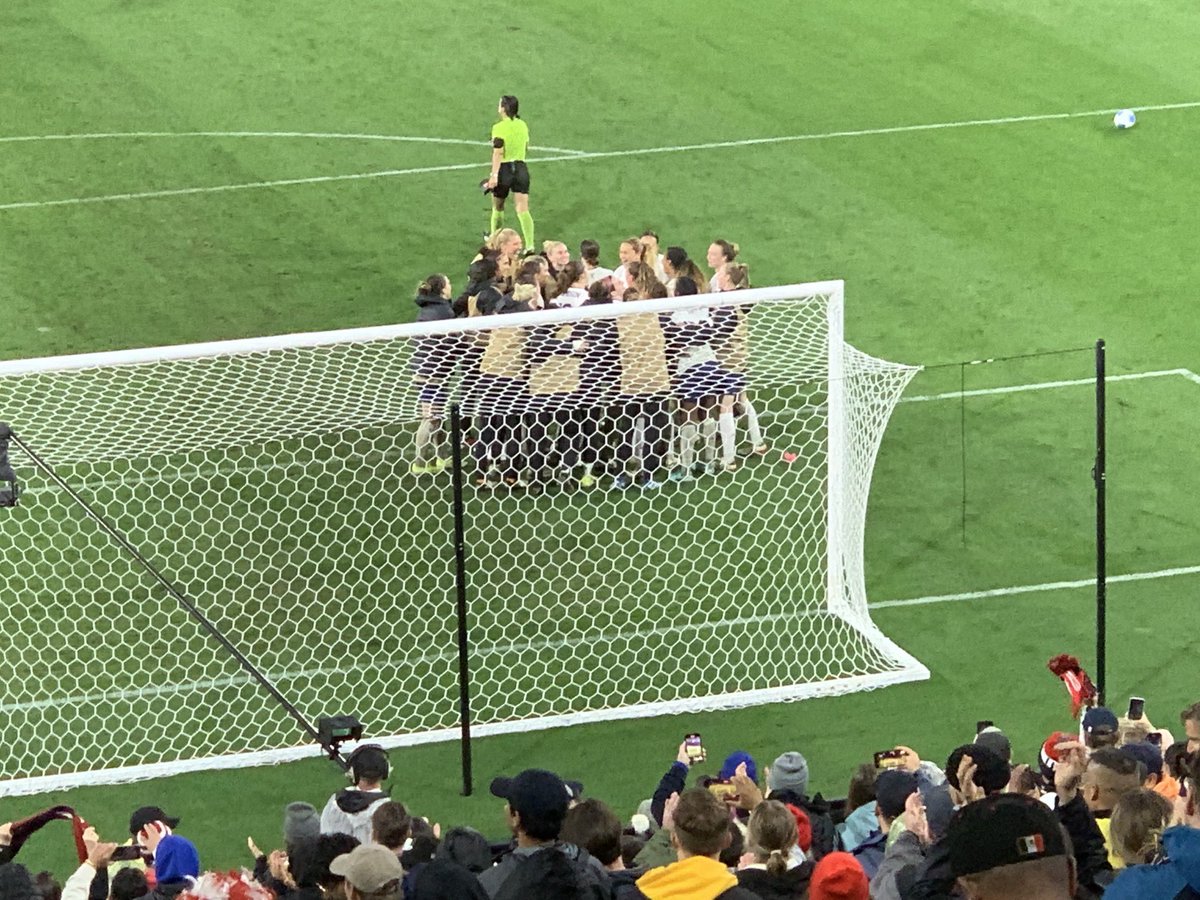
<point x="616" y="564"/>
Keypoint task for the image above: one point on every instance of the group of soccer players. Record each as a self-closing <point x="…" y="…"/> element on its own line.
<point x="642" y="398"/>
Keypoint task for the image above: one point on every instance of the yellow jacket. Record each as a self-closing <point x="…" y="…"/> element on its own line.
<point x="694" y="878"/>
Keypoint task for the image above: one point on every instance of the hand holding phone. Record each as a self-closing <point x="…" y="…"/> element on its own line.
<point x="694" y="749"/>
<point x="1137" y="707"/>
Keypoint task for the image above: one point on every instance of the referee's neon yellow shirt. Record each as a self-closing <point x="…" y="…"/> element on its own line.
<point x="515" y="134"/>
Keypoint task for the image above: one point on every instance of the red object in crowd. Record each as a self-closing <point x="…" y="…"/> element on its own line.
<point x="1079" y="685"/>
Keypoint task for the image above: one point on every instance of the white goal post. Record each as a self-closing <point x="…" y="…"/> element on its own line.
<point x="665" y="513"/>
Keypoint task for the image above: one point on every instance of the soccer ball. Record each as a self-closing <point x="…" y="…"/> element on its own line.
<point x="1124" y="118"/>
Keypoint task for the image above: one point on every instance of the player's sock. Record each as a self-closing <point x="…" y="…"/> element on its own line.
<point x="728" y="437"/>
<point x="751" y="414"/>
<point x="424" y="435"/>
<point x="526" y="221"/>
<point x="708" y="434"/>
<point x="687" y="445"/>
<point x="497" y="219"/>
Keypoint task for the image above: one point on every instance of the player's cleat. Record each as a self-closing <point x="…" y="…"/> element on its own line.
<point x="732" y="466"/>
<point x="715" y="467"/>
<point x="622" y="482"/>
<point x="440" y="465"/>
<point x="788" y="457"/>
<point x="760" y="450"/>
<point x="699" y="470"/>
<point x="420" y="468"/>
<point x="561" y="475"/>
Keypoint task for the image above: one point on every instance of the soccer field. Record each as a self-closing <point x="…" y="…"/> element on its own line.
<point x="180" y="173"/>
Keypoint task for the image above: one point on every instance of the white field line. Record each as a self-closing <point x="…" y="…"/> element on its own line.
<point x="1049" y="385"/>
<point x="1036" y="588"/>
<point x="536" y="646"/>
<point x="219" y="471"/>
<point x="566" y="155"/>
<point x="305" y="135"/>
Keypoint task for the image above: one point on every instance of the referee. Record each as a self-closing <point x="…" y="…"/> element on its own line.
<point x="510" y="140"/>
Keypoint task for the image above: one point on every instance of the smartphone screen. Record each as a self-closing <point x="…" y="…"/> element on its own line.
<point x="888" y="759"/>
<point x="694" y="748"/>
<point x="1137" y="706"/>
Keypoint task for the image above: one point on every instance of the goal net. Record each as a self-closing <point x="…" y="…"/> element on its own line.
<point x="620" y="561"/>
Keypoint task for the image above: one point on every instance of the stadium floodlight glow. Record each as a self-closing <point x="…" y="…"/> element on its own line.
<point x="586" y="603"/>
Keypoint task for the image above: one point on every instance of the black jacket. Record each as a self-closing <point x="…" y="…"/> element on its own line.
<point x="824" y="834"/>
<point x="433" y="308"/>
<point x="791" y="885"/>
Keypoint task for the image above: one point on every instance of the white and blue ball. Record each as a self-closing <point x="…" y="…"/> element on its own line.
<point x="1124" y="119"/>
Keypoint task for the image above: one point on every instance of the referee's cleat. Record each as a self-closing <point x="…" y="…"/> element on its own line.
<point x="587" y="480"/>
<point x="420" y="468"/>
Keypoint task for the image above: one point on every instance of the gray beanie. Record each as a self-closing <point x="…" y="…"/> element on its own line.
<point x="300" y="823"/>
<point x="789" y="773"/>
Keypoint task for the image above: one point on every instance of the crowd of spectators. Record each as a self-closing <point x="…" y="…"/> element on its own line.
<point x="1109" y="810"/>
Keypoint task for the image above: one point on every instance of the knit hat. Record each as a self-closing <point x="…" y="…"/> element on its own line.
<point x="175" y="859"/>
<point x="1002" y="830"/>
<point x="735" y="759"/>
<point x="839" y="876"/>
<point x="1049" y="756"/>
<point x="803" y="827"/>
<point x="991" y="772"/>
<point x="789" y="772"/>
<point x="300" y="823"/>
<point x="996" y="741"/>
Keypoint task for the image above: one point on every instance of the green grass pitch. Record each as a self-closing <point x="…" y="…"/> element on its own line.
<point x="978" y="240"/>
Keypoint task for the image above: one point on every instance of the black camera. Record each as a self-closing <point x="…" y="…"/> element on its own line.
<point x="9" y="494"/>
<point x="333" y="731"/>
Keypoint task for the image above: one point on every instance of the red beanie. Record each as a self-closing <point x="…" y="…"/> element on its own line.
<point x="803" y="827"/>
<point x="838" y="876"/>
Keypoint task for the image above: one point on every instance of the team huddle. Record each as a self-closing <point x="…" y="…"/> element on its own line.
<point x="640" y="398"/>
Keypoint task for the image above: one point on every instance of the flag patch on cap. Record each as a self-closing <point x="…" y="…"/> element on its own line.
<point x="1031" y="845"/>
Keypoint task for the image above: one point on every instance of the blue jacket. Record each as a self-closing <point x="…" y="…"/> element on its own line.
<point x="1178" y="874"/>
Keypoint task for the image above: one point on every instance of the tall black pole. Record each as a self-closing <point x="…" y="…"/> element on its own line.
<point x="460" y="582"/>
<point x="1099" y="477"/>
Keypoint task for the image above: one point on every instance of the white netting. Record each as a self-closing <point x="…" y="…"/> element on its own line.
<point x="275" y="486"/>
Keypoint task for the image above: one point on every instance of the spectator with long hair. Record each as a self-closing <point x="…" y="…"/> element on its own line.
<point x="770" y="868"/>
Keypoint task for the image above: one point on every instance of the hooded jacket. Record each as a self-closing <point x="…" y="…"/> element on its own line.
<point x="1177" y="876"/>
<point x="694" y="878"/>
<point x="587" y="868"/>
<point x="349" y="812"/>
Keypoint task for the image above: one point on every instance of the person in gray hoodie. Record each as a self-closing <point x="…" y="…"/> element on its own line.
<point x="349" y="811"/>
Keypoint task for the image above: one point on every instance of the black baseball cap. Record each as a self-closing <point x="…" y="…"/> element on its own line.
<point x="144" y="815"/>
<point x="1002" y="830"/>
<point x="535" y="792"/>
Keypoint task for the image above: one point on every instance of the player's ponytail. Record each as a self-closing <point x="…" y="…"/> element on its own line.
<point x="510" y="105"/>
<point x="590" y="251"/>
<point x="738" y="275"/>
<point x="433" y="286"/>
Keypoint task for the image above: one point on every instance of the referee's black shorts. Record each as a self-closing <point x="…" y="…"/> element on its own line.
<point x="513" y="176"/>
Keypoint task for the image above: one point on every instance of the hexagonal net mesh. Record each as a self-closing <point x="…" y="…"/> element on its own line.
<point x="664" y="511"/>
